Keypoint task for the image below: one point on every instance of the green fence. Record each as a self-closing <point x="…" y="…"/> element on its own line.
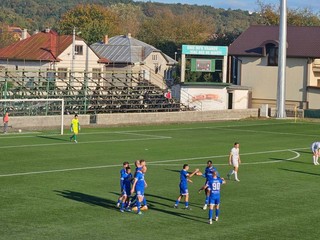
<point x="312" y="113"/>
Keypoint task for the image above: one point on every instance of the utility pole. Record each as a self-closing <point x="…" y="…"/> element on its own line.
<point x="281" y="93"/>
<point x="73" y="52"/>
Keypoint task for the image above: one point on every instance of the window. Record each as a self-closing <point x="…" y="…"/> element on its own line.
<point x="168" y="74"/>
<point x="96" y="73"/>
<point x="78" y="50"/>
<point x="157" y="68"/>
<point x="62" y="73"/>
<point x="154" y="57"/>
<point x="50" y="75"/>
<point x="272" y="53"/>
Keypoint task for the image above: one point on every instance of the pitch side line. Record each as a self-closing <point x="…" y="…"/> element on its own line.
<point x="88" y="142"/>
<point x="158" y="163"/>
<point x="18" y="135"/>
<point x="268" y="132"/>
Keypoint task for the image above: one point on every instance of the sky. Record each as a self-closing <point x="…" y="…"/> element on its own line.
<point x="250" y="5"/>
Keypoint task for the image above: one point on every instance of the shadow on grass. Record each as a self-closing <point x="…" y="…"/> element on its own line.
<point x="299" y="171"/>
<point x="54" y="138"/>
<point x="88" y="199"/>
<point x="180" y="212"/>
<point x="168" y="208"/>
<point x="301" y="151"/>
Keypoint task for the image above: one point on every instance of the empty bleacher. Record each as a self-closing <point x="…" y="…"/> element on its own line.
<point x="111" y="93"/>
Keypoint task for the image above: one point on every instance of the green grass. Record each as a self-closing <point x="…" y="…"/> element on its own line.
<point x="54" y="189"/>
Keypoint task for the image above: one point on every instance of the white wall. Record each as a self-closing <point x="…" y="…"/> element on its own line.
<point x="210" y="98"/>
<point x="240" y="99"/>
<point x="263" y="79"/>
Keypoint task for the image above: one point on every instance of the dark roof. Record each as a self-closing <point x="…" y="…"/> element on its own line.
<point x="126" y="49"/>
<point x="301" y="41"/>
<point x="44" y="46"/>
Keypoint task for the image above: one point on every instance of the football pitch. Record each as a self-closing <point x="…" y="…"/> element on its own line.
<point x="54" y="189"/>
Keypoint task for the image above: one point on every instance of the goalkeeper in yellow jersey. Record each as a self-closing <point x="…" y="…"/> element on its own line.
<point x="75" y="128"/>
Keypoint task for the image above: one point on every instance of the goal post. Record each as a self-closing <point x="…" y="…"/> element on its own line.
<point x="34" y="107"/>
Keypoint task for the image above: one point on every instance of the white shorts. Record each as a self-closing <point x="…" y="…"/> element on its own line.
<point x="235" y="163"/>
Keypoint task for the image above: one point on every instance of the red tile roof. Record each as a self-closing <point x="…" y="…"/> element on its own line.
<point x="44" y="46"/>
<point x="302" y="41"/>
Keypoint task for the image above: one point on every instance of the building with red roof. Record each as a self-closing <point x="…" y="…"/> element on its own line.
<point x="254" y="57"/>
<point x="48" y="51"/>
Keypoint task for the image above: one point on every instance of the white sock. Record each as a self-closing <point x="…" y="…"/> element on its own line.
<point x="236" y="175"/>
<point x="314" y="159"/>
<point x="317" y="159"/>
<point x="231" y="172"/>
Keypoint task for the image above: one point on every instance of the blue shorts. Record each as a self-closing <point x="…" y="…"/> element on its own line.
<point x="140" y="191"/>
<point x="214" y="200"/>
<point x="126" y="191"/>
<point x="184" y="190"/>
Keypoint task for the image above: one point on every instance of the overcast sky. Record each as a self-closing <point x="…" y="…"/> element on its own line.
<point x="250" y="5"/>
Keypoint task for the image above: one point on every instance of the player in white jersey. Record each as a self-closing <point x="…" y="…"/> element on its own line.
<point x="234" y="160"/>
<point x="315" y="148"/>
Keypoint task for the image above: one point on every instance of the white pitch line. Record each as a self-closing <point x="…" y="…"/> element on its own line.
<point x="87" y="142"/>
<point x="155" y="163"/>
<point x="58" y="170"/>
<point x="268" y="132"/>
<point x="243" y="163"/>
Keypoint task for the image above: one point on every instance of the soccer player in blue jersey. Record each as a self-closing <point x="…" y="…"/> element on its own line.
<point x="214" y="200"/>
<point x="184" y="179"/>
<point x="315" y="148"/>
<point x="122" y="176"/>
<point x="208" y="175"/>
<point x="138" y="186"/>
<point x="126" y="193"/>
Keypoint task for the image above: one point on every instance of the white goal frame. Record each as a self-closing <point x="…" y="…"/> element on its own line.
<point x="42" y="100"/>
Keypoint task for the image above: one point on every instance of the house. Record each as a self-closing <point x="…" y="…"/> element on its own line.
<point x="50" y="55"/>
<point x="126" y="53"/>
<point x="17" y="32"/>
<point x="254" y="58"/>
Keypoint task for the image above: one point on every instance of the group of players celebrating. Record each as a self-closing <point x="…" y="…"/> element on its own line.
<point x="133" y="183"/>
<point x="136" y="184"/>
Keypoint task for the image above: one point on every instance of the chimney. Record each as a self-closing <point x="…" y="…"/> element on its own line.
<point x="47" y="30"/>
<point x="129" y="35"/>
<point x="24" y="34"/>
<point x="106" y="39"/>
<point x="53" y="44"/>
<point x="35" y="32"/>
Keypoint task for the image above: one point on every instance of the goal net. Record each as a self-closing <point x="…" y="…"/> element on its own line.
<point x="53" y="108"/>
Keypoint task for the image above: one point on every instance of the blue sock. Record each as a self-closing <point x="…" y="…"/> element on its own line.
<point x="138" y="206"/>
<point x="187" y="204"/>
<point x="177" y="202"/>
<point x="144" y="201"/>
<point x="207" y="200"/>
<point x="210" y="213"/>
<point x="122" y="204"/>
<point x="118" y="201"/>
<point x="217" y="212"/>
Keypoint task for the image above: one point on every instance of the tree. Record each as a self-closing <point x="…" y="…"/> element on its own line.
<point x="6" y="37"/>
<point x="93" y="21"/>
<point x="130" y="17"/>
<point x="165" y="29"/>
<point x="270" y="15"/>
